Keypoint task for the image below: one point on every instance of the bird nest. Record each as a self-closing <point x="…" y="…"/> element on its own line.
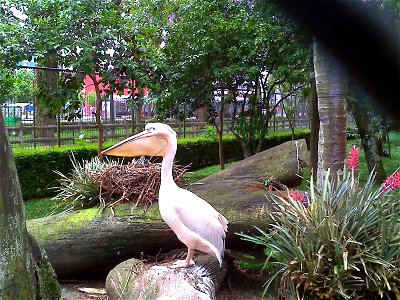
<point x="106" y="182"/>
<point x="137" y="182"/>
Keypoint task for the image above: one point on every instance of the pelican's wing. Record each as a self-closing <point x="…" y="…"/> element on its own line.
<point x="200" y="217"/>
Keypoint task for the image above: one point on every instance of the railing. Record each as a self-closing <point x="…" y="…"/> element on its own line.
<point x="30" y="136"/>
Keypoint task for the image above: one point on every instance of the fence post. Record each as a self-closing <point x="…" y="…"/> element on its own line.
<point x="126" y="127"/>
<point x="179" y="129"/>
<point x="21" y="134"/>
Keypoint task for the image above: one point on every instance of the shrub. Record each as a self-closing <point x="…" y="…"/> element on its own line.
<point x="36" y="166"/>
<point x="343" y="244"/>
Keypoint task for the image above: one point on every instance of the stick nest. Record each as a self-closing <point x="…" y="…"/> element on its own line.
<point x="137" y="182"/>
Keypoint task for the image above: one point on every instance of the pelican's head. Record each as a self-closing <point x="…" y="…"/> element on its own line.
<point x="153" y="141"/>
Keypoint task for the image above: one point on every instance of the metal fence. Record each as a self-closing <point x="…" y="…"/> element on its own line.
<point x="26" y="130"/>
<point x="28" y="136"/>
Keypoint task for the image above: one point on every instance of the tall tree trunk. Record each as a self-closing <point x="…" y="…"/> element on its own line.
<point x="203" y="115"/>
<point x="332" y="88"/>
<point x="220" y="136"/>
<point x="24" y="270"/>
<point x="364" y="124"/>
<point x="45" y="85"/>
<point x="219" y="126"/>
<point x="314" y="128"/>
<point x="99" y="108"/>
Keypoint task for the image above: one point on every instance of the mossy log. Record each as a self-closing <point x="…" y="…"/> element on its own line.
<point x="135" y="279"/>
<point x="283" y="163"/>
<point x="82" y="242"/>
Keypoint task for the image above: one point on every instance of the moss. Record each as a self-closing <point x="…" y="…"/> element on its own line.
<point x="47" y="279"/>
<point x="61" y="224"/>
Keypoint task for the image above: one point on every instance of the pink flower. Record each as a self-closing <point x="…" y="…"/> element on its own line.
<point x="296" y="195"/>
<point x="391" y="183"/>
<point x="353" y="160"/>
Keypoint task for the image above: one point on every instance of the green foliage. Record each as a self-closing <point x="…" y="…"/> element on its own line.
<point x="35" y="167"/>
<point x="210" y="131"/>
<point x="345" y="244"/>
<point x="215" y="45"/>
<point x="79" y="189"/>
<point x="22" y="90"/>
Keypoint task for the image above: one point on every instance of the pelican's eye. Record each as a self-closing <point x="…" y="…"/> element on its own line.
<point x="152" y="129"/>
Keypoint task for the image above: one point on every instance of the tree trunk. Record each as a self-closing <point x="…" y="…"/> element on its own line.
<point x="45" y="84"/>
<point x="314" y="128"/>
<point x="368" y="142"/>
<point x="91" y="240"/>
<point x="99" y="109"/>
<point x="134" y="279"/>
<point x="220" y="131"/>
<point x="331" y="85"/>
<point x="80" y="243"/>
<point x="24" y="271"/>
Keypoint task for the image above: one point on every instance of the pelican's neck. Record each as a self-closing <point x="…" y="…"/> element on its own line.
<point x="168" y="162"/>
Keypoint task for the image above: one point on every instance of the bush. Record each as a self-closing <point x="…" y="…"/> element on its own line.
<point x="344" y="243"/>
<point x="36" y="166"/>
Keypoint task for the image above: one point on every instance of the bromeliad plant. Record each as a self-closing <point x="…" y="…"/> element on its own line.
<point x="344" y="244"/>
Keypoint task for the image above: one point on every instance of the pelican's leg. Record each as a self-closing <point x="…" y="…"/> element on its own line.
<point x="188" y="262"/>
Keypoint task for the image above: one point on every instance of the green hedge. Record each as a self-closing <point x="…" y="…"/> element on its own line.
<point x="35" y="166"/>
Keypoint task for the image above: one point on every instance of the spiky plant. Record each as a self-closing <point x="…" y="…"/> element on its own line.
<point x="79" y="189"/>
<point x="345" y="244"/>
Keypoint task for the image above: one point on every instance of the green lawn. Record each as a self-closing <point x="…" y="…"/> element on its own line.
<point x="43" y="207"/>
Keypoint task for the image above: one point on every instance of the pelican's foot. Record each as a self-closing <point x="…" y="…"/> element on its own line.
<point x="182" y="264"/>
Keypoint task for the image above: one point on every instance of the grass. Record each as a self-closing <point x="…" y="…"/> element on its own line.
<point x="203" y="173"/>
<point x="43" y="207"/>
<point x="39" y="208"/>
<point x="391" y="164"/>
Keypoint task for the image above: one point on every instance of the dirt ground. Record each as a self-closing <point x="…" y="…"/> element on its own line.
<point x="240" y="285"/>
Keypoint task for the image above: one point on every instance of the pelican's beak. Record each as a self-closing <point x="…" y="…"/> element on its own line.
<point x="141" y="144"/>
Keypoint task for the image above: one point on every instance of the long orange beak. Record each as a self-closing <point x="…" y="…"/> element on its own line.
<point x="141" y="144"/>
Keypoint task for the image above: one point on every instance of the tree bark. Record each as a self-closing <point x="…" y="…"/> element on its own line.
<point x="314" y="128"/>
<point x="134" y="279"/>
<point x="368" y="142"/>
<point x="46" y="83"/>
<point x="281" y="163"/>
<point x="24" y="271"/>
<point x="331" y="85"/>
<point x="99" y="108"/>
<point x="91" y="240"/>
<point x="84" y="242"/>
<point x="220" y="131"/>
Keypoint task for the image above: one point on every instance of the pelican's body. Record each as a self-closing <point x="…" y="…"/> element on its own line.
<point x="195" y="222"/>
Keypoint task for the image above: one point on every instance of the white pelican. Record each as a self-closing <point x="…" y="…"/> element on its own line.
<point x="195" y="222"/>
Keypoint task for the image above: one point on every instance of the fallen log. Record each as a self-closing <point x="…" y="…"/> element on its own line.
<point x="81" y="242"/>
<point x="283" y="163"/>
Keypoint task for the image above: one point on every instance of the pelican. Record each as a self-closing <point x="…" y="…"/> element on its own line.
<point x="195" y="222"/>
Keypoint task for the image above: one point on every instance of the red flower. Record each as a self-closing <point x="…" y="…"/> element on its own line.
<point x="353" y="160"/>
<point x="296" y="195"/>
<point x="391" y="183"/>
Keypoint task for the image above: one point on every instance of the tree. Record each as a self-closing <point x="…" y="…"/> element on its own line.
<point x="106" y="41"/>
<point x="228" y="48"/>
<point x="331" y="86"/>
<point x="10" y="37"/>
<point x="24" y="270"/>
<point x="22" y="89"/>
